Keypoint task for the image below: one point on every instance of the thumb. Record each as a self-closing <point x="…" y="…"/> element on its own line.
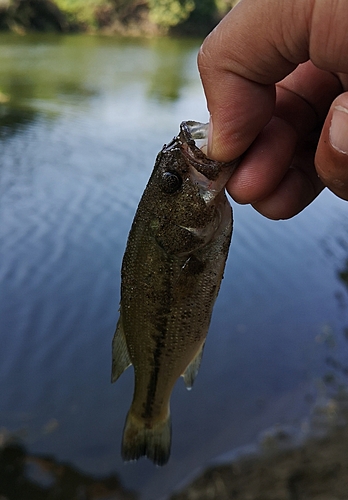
<point x="331" y="160"/>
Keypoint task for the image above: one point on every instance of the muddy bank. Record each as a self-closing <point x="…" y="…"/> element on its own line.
<point x="316" y="470"/>
<point x="37" y="477"/>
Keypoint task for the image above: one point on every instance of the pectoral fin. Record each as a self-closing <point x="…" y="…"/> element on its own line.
<point x="191" y="371"/>
<point x="120" y="357"/>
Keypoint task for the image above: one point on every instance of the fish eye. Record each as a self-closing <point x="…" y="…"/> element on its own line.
<point x="171" y="182"/>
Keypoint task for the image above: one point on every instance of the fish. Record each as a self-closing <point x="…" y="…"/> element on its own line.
<point x="170" y="277"/>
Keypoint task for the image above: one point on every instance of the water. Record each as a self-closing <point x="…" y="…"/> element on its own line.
<point x="81" y="123"/>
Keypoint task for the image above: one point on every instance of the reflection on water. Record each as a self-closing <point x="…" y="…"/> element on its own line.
<point x="84" y="121"/>
<point x="12" y="119"/>
<point x="169" y="75"/>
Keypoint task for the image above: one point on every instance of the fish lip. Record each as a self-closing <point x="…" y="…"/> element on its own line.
<point x="210" y="175"/>
<point x="211" y="169"/>
<point x="195" y="131"/>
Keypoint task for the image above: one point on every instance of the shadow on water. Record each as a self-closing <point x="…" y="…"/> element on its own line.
<point x="336" y="376"/>
<point x="343" y="274"/>
<point x="12" y="119"/>
<point x="24" y="476"/>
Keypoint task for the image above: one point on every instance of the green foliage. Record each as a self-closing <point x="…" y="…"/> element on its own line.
<point x="167" y="13"/>
<point x="179" y="16"/>
<point x="223" y="6"/>
<point x="82" y="11"/>
<point x="203" y="18"/>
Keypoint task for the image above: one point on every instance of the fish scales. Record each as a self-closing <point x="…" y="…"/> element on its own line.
<point x="171" y="274"/>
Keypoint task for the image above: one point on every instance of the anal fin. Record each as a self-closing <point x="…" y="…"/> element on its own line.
<point x="120" y="357"/>
<point x="191" y="371"/>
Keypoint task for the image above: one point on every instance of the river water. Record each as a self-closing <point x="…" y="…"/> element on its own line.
<point x="81" y="121"/>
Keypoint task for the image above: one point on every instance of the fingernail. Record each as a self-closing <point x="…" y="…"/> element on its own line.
<point x="210" y="138"/>
<point x="338" y="133"/>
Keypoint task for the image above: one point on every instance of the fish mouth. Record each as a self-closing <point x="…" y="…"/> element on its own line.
<point x="199" y="133"/>
<point x="209" y="175"/>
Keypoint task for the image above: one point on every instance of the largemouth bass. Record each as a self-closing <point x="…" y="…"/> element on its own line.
<point x="171" y="273"/>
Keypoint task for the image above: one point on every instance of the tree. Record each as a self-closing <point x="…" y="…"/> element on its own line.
<point x="168" y="13"/>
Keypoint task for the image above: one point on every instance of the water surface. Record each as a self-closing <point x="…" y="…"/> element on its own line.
<point x="81" y="121"/>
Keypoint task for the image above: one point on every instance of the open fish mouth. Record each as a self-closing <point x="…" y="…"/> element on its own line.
<point x="199" y="133"/>
<point x="209" y="175"/>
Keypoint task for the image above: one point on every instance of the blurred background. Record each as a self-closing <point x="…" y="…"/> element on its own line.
<point x="82" y="117"/>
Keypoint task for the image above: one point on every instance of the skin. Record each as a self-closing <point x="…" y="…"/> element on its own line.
<point x="275" y="72"/>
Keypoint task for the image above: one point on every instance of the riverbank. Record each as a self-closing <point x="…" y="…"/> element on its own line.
<point x="316" y="470"/>
<point x="122" y="17"/>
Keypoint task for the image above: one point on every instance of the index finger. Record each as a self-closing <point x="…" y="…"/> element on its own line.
<point x="239" y="63"/>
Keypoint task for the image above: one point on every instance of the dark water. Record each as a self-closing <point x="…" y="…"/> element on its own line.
<point x="81" y="122"/>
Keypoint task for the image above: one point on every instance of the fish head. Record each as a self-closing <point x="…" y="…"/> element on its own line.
<point x="187" y="192"/>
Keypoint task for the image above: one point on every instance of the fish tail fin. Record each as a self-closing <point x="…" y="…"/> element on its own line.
<point x="139" y="439"/>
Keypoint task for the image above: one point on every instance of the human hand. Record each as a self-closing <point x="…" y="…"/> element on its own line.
<point x="275" y="74"/>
